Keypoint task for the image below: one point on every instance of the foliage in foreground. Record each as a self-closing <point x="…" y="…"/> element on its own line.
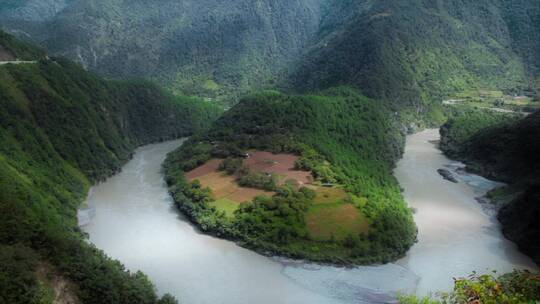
<point x="518" y="287"/>
<point x="341" y="136"/>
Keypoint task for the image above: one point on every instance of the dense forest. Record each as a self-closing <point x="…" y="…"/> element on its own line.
<point x="215" y="49"/>
<point x="62" y="129"/>
<point x="341" y="136"/>
<point x="409" y="52"/>
<point x="464" y="123"/>
<point x="506" y="149"/>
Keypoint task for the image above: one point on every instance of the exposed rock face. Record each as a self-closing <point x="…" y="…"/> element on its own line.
<point x="447" y="175"/>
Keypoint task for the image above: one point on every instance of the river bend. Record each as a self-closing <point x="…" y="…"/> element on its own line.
<point x="132" y="218"/>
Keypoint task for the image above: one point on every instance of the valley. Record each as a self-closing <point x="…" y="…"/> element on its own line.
<point x="269" y="151"/>
<point x="136" y="222"/>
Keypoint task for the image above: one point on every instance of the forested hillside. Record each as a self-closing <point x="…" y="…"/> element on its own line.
<point x="12" y="48"/>
<point x="410" y="52"/>
<point x="61" y="130"/>
<point x="464" y="124"/>
<point x="507" y="151"/>
<point x="343" y="138"/>
<point x="210" y="48"/>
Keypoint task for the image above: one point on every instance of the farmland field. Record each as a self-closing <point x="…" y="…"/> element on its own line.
<point x="332" y="214"/>
<point x="337" y="221"/>
<point x="326" y="195"/>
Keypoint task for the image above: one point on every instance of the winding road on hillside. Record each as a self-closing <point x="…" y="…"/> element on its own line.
<point x="135" y="222"/>
<point x="17" y="62"/>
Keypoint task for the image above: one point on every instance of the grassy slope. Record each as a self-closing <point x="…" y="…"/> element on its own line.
<point x="340" y="126"/>
<point x="61" y="129"/>
<point x="507" y="152"/>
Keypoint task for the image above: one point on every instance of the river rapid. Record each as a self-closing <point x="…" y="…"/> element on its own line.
<point x="132" y="218"/>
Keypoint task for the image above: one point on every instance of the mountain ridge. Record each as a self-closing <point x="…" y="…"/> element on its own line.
<point x="410" y="53"/>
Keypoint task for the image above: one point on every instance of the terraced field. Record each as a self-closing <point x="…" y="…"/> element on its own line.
<point x="333" y="215"/>
<point x="227" y="193"/>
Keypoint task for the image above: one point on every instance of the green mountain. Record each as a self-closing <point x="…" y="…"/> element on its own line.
<point x="66" y="128"/>
<point x="210" y="48"/>
<point x="410" y="52"/>
<point x="12" y="48"/>
<point x="507" y="150"/>
<point x="62" y="129"/>
<point x="344" y="139"/>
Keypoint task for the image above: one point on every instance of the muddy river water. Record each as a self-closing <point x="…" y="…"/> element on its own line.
<point x="131" y="217"/>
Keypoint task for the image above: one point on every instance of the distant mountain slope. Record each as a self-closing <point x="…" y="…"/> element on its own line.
<point x="405" y="51"/>
<point x="410" y="51"/>
<point x="62" y="129"/>
<point x="209" y="47"/>
<point x="523" y="20"/>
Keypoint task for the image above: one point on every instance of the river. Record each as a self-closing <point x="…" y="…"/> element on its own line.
<point x="132" y="218"/>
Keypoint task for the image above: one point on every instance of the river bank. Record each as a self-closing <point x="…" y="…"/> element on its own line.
<point x="456" y="236"/>
<point x="135" y="221"/>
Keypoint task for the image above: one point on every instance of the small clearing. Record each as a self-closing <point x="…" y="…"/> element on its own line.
<point x="226" y="205"/>
<point x="209" y="167"/>
<point x="335" y="220"/>
<point x="225" y="186"/>
<point x="326" y="195"/>
<point x="227" y="193"/>
<point x="280" y="164"/>
<point x="331" y="215"/>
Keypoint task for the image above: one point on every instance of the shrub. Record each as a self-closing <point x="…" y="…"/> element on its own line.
<point x="231" y="165"/>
